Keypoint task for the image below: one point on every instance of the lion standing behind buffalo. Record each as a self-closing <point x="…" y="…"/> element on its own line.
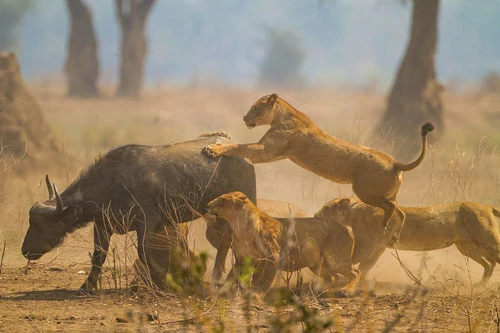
<point x="323" y="246"/>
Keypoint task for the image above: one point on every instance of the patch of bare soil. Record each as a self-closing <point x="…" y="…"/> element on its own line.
<point x="45" y="299"/>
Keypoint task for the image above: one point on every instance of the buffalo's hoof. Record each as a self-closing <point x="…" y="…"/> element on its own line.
<point x="208" y="150"/>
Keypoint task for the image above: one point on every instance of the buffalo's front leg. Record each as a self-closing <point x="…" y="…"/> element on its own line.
<point x="101" y="246"/>
<point x="148" y="272"/>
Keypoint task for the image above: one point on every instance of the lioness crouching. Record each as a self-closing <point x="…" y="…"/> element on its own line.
<point x="286" y="244"/>
<point x="375" y="176"/>
<point x="472" y="227"/>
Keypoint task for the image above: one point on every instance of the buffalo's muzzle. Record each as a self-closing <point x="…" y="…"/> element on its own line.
<point x="31" y="256"/>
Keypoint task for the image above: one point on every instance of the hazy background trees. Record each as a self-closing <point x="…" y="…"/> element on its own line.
<point x="415" y="97"/>
<point x="347" y="42"/>
<point x="277" y="45"/>
<point x="283" y="59"/>
<point x="11" y="16"/>
<point x="132" y="16"/>
<point x="82" y="63"/>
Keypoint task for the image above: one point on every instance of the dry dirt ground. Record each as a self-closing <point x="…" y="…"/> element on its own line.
<point x="462" y="165"/>
<point x="44" y="300"/>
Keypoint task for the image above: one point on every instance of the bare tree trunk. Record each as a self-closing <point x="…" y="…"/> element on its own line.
<point x="132" y="15"/>
<point x="82" y="63"/>
<point x="416" y="95"/>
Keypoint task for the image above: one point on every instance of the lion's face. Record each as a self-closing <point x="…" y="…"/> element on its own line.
<point x="235" y="208"/>
<point x="227" y="204"/>
<point x="261" y="112"/>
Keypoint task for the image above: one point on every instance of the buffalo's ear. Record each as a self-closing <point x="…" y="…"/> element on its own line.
<point x="272" y="98"/>
<point x="71" y="214"/>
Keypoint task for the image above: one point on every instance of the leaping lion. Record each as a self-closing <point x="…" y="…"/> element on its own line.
<point x="375" y="176"/>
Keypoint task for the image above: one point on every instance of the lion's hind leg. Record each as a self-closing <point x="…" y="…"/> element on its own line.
<point x="338" y="264"/>
<point x="391" y="210"/>
<point x="472" y="251"/>
<point x="344" y="281"/>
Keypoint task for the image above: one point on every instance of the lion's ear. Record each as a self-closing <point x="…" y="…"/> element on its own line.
<point x="272" y="98"/>
<point x="240" y="198"/>
<point x="344" y="202"/>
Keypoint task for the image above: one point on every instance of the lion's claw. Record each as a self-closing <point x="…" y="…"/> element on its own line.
<point x="208" y="150"/>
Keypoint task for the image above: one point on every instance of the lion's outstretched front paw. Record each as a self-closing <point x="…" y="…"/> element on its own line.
<point x="212" y="150"/>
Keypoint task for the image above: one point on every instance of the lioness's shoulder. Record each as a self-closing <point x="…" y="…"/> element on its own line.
<point x="269" y="223"/>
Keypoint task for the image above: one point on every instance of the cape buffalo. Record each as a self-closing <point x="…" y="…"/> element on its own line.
<point x="139" y="188"/>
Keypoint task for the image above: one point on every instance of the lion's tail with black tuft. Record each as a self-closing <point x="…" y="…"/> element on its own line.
<point x="398" y="166"/>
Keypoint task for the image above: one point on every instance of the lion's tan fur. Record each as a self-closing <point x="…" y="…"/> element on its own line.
<point x="285" y="244"/>
<point x="472" y="227"/>
<point x="220" y="233"/>
<point x="374" y="175"/>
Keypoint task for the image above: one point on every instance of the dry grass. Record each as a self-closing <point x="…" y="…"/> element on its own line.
<point x="463" y="165"/>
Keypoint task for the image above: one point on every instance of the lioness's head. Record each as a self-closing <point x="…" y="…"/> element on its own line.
<point x="234" y="207"/>
<point x="227" y="204"/>
<point x="261" y="112"/>
<point x="335" y="210"/>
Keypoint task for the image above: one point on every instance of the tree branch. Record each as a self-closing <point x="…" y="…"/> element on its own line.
<point x="123" y="18"/>
<point x="75" y="6"/>
<point x="145" y="6"/>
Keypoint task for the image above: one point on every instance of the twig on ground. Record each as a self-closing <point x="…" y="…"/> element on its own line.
<point x="408" y="272"/>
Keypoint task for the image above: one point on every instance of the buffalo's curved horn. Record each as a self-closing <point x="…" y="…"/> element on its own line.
<point x="59" y="201"/>
<point x="49" y="187"/>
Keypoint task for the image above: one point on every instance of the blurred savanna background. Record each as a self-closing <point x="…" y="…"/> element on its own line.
<point x="79" y="77"/>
